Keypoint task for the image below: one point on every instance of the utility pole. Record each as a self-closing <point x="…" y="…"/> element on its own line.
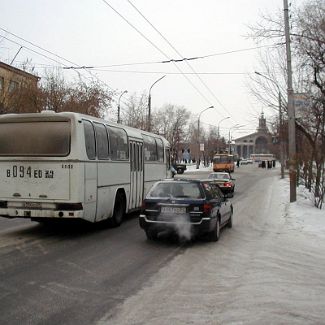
<point x="12" y="61"/>
<point x="198" y="137"/>
<point x="280" y="121"/>
<point x="280" y="137"/>
<point x="226" y="118"/>
<point x="236" y="126"/>
<point x="119" y="107"/>
<point x="149" y="104"/>
<point x="291" y="111"/>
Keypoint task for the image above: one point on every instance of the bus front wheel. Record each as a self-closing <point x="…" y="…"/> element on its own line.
<point x="119" y="210"/>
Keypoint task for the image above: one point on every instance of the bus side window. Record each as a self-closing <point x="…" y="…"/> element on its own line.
<point x="140" y="156"/>
<point x="150" y="148"/>
<point x="160" y="150"/>
<point x="118" y="143"/>
<point x="136" y="167"/>
<point x="90" y="139"/>
<point x="131" y="157"/>
<point x="167" y="155"/>
<point x="102" y="141"/>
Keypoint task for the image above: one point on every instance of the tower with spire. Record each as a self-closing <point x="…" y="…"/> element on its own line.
<point x="258" y="142"/>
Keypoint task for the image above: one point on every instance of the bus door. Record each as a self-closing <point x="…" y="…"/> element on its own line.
<point x="90" y="190"/>
<point x="136" y="177"/>
<point x="140" y="174"/>
<point x="91" y="171"/>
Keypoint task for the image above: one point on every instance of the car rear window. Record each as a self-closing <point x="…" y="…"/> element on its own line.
<point x="176" y="190"/>
<point x="219" y="176"/>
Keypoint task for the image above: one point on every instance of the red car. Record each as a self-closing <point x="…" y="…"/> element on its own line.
<point x="225" y="182"/>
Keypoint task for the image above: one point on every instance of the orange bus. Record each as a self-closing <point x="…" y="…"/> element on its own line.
<point x="223" y="162"/>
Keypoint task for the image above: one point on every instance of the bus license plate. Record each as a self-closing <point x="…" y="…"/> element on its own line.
<point x="173" y="210"/>
<point x="32" y="205"/>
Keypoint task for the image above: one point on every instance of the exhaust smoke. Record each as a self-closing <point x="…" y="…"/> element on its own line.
<point x="179" y="223"/>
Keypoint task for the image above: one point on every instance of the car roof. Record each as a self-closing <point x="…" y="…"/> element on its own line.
<point x="186" y="180"/>
<point x="209" y="180"/>
<point x="220" y="174"/>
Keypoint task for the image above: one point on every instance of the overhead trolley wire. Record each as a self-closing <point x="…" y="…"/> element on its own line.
<point x="176" y="60"/>
<point x="173" y="73"/>
<point x="157" y="48"/>
<point x="75" y="68"/>
<point x="186" y="61"/>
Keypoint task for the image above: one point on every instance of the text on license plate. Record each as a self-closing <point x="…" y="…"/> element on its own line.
<point x="17" y="171"/>
<point x="32" y="205"/>
<point x="175" y="210"/>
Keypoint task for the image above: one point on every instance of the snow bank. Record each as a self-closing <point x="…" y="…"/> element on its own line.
<point x="302" y="214"/>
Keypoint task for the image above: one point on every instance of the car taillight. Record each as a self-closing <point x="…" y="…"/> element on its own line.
<point x="207" y="208"/>
<point x="143" y="206"/>
<point x="227" y="184"/>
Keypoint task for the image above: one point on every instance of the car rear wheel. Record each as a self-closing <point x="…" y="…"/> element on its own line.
<point x="229" y="224"/>
<point x="151" y="235"/>
<point x="214" y="235"/>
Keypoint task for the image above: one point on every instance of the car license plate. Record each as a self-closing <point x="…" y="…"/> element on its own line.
<point x="173" y="210"/>
<point x="32" y="205"/>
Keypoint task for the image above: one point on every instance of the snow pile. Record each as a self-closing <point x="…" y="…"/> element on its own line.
<point x="192" y="167"/>
<point x="303" y="215"/>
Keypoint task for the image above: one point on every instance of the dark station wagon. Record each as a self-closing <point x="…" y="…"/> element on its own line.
<point x="186" y="207"/>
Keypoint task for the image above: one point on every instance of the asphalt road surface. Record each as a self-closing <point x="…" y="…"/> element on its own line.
<point x="90" y="274"/>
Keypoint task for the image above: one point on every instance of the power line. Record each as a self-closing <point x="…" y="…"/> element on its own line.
<point x="55" y="55"/>
<point x="186" y="61"/>
<point x="157" y="48"/>
<point x="173" y="73"/>
<point x="47" y="57"/>
<point x="29" y="49"/>
<point x="237" y="51"/>
<point x="225" y="128"/>
<point x="49" y="52"/>
<point x="175" y="60"/>
<point x="45" y="66"/>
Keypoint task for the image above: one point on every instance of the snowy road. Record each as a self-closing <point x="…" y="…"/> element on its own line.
<point x="266" y="270"/>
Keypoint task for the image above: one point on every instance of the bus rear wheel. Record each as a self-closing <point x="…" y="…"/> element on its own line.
<point x="119" y="210"/>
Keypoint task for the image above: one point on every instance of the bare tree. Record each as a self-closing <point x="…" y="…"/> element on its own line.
<point x="310" y="46"/>
<point x="172" y="122"/>
<point x="56" y="94"/>
<point x="81" y="97"/>
<point x="135" y="113"/>
<point x="308" y="43"/>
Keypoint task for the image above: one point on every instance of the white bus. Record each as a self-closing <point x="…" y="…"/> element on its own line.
<point x="68" y="165"/>
<point x="256" y="157"/>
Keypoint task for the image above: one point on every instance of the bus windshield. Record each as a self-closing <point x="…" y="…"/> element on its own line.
<point x="223" y="159"/>
<point x="42" y="138"/>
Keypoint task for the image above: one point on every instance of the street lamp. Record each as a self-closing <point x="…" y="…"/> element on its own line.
<point x="198" y="136"/>
<point x="149" y="104"/>
<point x="218" y="149"/>
<point x="280" y="122"/>
<point x="119" y="108"/>
<point x="226" y="118"/>
<point x="236" y="126"/>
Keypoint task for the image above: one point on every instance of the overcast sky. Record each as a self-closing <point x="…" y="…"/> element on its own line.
<point x="91" y="33"/>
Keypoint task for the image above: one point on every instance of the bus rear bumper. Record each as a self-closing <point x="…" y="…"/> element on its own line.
<point x="43" y="213"/>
